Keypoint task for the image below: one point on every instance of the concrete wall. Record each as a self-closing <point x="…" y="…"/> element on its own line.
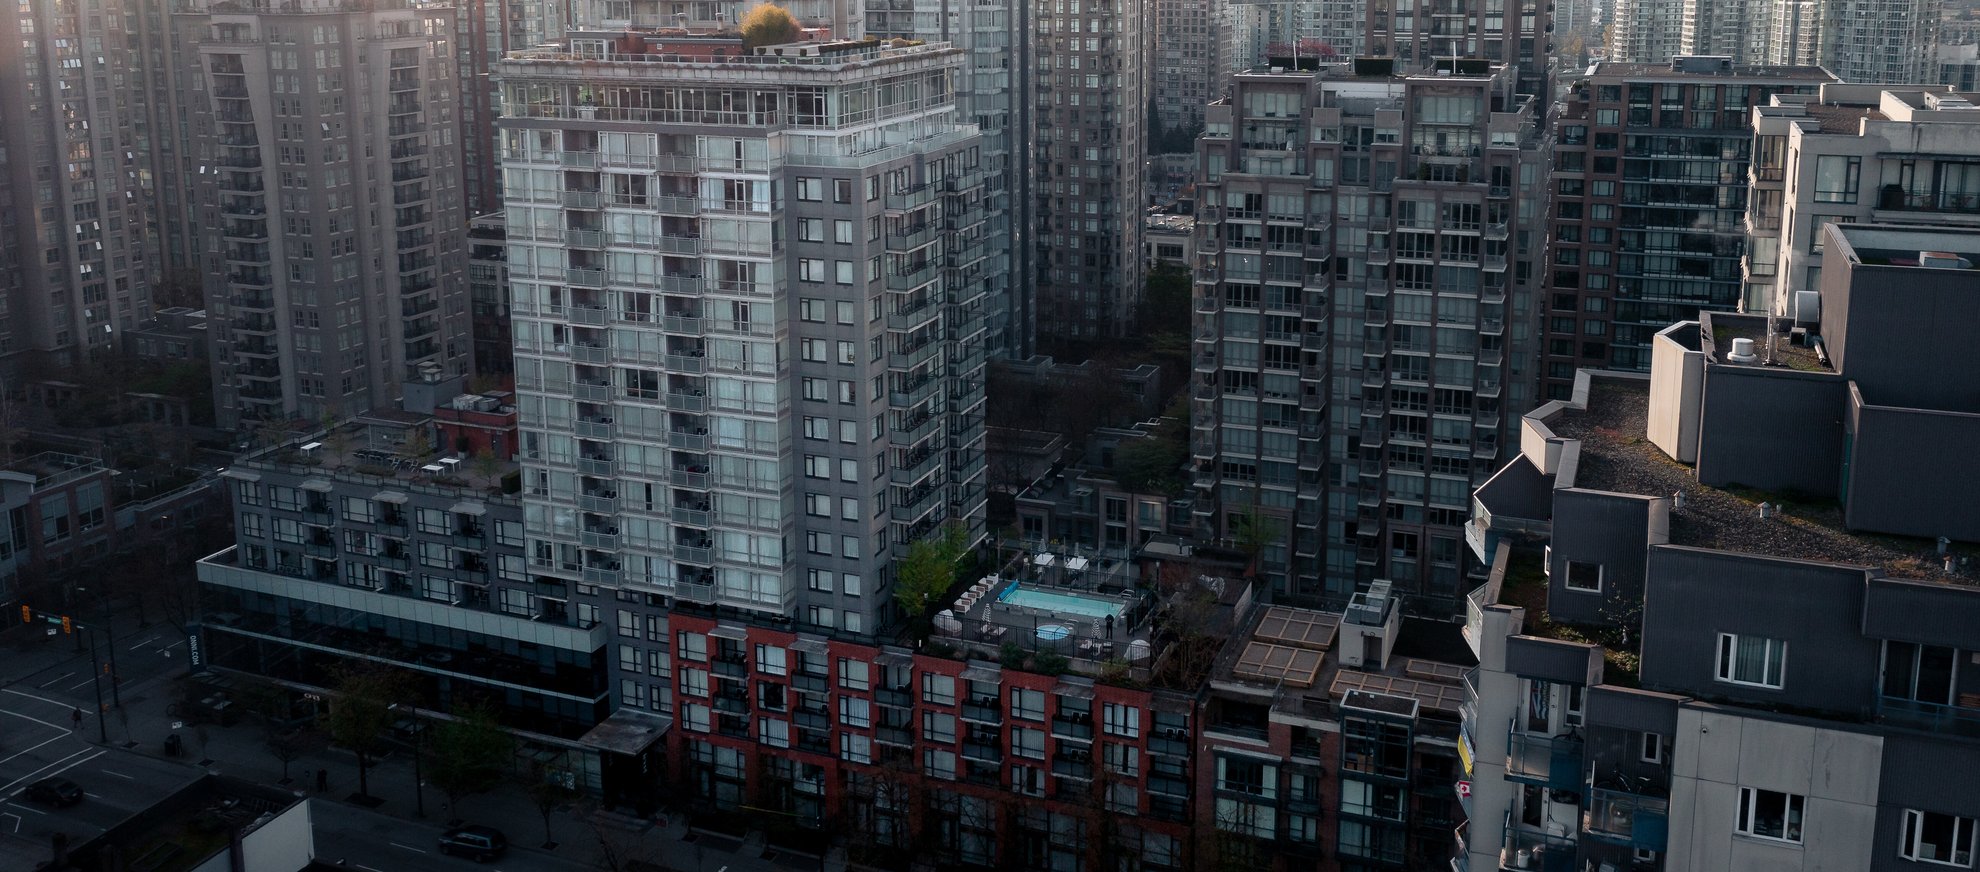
<point x="283" y="843"/>
<point x="1717" y="752"/>
<point x="1886" y="325"/>
<point x="1911" y="472"/>
<point x="1696" y="594"/>
<point x="1603" y="528"/>
<point x="1772" y="429"/>
<point x="1677" y="385"/>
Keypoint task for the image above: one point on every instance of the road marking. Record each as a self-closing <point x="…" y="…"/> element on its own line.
<point x="365" y="868"/>
<point x="37" y="773"/>
<point x="56" y="703"/>
<point x="17" y="819"/>
<point x="3" y="762"/>
<point x="173" y="645"/>
<point x="408" y="847"/>
<point x="64" y="729"/>
<point x="118" y="774"/>
<point x="91" y="795"/>
<point x="144" y="643"/>
<point x="82" y="684"/>
<point x="25" y="808"/>
<point x="44" y="685"/>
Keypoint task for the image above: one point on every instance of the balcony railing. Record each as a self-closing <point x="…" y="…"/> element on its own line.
<point x="1551" y="761"/>
<point x="1627" y="818"/>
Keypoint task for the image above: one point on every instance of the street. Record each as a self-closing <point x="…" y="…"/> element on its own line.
<point x="44" y="682"/>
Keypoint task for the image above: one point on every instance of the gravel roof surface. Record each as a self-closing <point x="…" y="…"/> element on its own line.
<point x="1616" y="456"/>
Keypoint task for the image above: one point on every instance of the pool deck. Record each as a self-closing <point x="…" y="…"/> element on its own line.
<point x="986" y="623"/>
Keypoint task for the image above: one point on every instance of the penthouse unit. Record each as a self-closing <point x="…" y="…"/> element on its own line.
<point x="358" y="543"/>
<point x="1852" y="154"/>
<point x="332" y="227"/>
<point x="1648" y="179"/>
<point x="1783" y="686"/>
<point x="1363" y="241"/>
<point x="1328" y="740"/>
<point x="1422" y="36"/>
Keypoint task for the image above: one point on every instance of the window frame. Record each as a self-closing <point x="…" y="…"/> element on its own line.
<point x="1912" y="831"/>
<point x="1794" y="809"/>
<point x="1775" y="664"/>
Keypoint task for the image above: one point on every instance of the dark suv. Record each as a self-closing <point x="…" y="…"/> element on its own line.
<point x="55" y="791"/>
<point x="478" y="843"/>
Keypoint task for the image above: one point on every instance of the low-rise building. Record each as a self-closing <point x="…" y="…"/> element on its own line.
<point x="57" y="507"/>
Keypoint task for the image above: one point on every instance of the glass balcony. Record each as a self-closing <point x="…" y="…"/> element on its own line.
<point x="1627" y="818"/>
<point x="1550" y="761"/>
<point x="1937" y="718"/>
<point x="1529" y="850"/>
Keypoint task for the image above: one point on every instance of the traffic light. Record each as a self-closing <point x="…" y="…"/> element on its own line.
<point x="27" y="614"/>
<point x="66" y="626"/>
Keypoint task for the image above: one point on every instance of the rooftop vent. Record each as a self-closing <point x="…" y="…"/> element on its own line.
<point x="1742" y="352"/>
<point x="1943" y="260"/>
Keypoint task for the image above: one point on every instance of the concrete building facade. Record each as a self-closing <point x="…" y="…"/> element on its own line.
<point x="78" y="232"/>
<point x="1365" y="249"/>
<point x="333" y="232"/>
<point x="1087" y="138"/>
<point x="749" y="305"/>
<point x="1647" y="207"/>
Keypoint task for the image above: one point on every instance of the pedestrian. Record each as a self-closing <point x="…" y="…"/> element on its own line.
<point x="322" y="780"/>
<point x="75" y="717"/>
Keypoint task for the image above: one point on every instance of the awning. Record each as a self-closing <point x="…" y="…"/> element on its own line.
<point x="318" y="485"/>
<point x="888" y="658"/>
<point x="809" y="645"/>
<point x="1073" y="691"/>
<point x="731" y="632"/>
<point x="1044" y="559"/>
<point x="1076" y="564"/>
<point x="984" y="674"/>
<point x="394" y="497"/>
<point x="627" y="731"/>
<point x="239" y="474"/>
<point x="468" y="507"/>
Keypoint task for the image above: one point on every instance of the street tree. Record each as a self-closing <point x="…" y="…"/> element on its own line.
<point x="469" y="755"/>
<point x="362" y="696"/>
<point x="768" y="24"/>
<point x="929" y="570"/>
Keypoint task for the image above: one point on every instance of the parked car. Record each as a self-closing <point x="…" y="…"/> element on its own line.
<point x="478" y="843"/>
<point x="59" y="792"/>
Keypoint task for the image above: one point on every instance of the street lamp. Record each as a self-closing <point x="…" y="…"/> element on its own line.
<point x="110" y="641"/>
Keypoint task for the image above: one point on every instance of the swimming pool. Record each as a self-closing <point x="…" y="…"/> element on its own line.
<point x="1060" y="603"/>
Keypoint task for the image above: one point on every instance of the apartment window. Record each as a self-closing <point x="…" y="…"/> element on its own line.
<point x="811" y="269"/>
<point x="1027" y="704"/>
<point x="842" y="271"/>
<point x="770" y="660"/>
<point x="855" y="712"/>
<point x="433" y="521"/>
<point x="819" y="389"/>
<point x="1653" y="748"/>
<point x="819" y="580"/>
<point x="818" y="505"/>
<point x="848" y="351"/>
<point x="842" y="190"/>
<point x="1028" y="743"/>
<point x="693" y="646"/>
<point x="814" y="350"/>
<point x="1922" y="673"/>
<point x="853" y="674"/>
<point x="818" y="428"/>
<point x="1121" y="720"/>
<point x="811" y="189"/>
<point x="938" y="727"/>
<point x="773" y="732"/>
<point x="811" y="309"/>
<point x="811" y="230"/>
<point x="818" y="543"/>
<point x="1835" y="178"/>
<point x="1752" y="660"/>
<point x="1584" y="577"/>
<point x="1930" y="837"/>
<point x="842" y="231"/>
<point x="938" y="689"/>
<point x="1770" y="814"/>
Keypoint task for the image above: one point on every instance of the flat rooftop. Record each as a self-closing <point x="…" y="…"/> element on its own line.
<point x="1616" y="457"/>
<point x="375" y="451"/>
<point x="1664" y="71"/>
<point x="1289" y="654"/>
<point x="1837" y="118"/>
